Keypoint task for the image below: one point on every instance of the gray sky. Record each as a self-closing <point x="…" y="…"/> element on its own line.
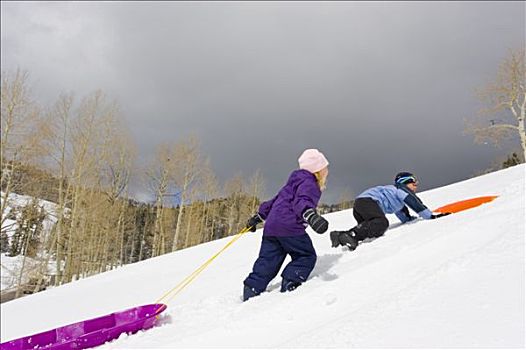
<point x="378" y="87"/>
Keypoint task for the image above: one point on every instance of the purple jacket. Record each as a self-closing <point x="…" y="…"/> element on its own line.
<point x="283" y="214"/>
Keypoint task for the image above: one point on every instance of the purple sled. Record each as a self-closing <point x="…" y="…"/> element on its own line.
<point x="90" y="333"/>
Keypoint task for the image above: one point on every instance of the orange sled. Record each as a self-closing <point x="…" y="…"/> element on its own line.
<point x="465" y="204"/>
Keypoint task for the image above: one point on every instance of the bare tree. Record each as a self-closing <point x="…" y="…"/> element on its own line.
<point x="256" y="186"/>
<point x="23" y="134"/>
<point x="117" y="161"/>
<point x="58" y="127"/>
<point x="187" y="168"/>
<point x="192" y="217"/>
<point x="505" y="98"/>
<point x="19" y="122"/>
<point x="210" y="189"/>
<point x="235" y="189"/>
<point x="118" y="154"/>
<point x="158" y="173"/>
<point x="87" y="142"/>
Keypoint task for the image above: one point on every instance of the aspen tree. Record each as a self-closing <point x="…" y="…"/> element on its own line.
<point x="158" y="174"/>
<point x="505" y="98"/>
<point x="186" y="171"/>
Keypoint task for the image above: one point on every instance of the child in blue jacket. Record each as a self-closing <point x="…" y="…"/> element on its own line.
<point x="371" y="206"/>
<point x="286" y="216"/>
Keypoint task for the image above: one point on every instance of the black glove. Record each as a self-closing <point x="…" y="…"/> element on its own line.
<point x="253" y="222"/>
<point x="436" y="216"/>
<point x="318" y="224"/>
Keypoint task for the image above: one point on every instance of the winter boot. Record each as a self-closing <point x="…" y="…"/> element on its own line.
<point x="249" y="292"/>
<point x="348" y="239"/>
<point x="288" y="285"/>
<point x="335" y="238"/>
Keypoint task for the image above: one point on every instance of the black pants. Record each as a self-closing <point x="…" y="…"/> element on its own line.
<point x="370" y="217"/>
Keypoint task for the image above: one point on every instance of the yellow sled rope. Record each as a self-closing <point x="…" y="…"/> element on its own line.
<point x="177" y="289"/>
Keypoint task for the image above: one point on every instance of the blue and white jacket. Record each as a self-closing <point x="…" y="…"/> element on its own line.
<point x="393" y="199"/>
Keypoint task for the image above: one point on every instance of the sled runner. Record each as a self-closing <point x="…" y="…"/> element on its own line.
<point x="92" y="332"/>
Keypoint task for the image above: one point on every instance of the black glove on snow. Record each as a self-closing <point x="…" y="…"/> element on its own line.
<point x="253" y="222"/>
<point x="436" y="216"/>
<point x="318" y="223"/>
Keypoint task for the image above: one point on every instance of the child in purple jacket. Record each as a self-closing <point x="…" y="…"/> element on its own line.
<point x="286" y="216"/>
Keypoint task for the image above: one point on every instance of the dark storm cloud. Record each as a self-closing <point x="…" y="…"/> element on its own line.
<point x="378" y="87"/>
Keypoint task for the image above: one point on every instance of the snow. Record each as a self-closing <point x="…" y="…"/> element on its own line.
<point x="458" y="281"/>
<point x="11" y="266"/>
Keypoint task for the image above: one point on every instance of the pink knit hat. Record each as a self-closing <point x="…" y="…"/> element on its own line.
<point x="312" y="160"/>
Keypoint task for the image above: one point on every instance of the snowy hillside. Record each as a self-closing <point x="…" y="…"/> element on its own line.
<point x="12" y="266"/>
<point x="458" y="281"/>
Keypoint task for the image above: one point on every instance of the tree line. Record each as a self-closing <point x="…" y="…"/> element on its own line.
<point x="78" y="154"/>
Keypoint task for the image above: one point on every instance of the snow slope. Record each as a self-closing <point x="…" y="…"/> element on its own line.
<point x="11" y="266"/>
<point x="458" y="281"/>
